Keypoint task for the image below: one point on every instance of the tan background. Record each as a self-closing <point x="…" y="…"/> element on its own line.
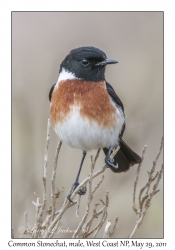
<point x="40" y="41"/>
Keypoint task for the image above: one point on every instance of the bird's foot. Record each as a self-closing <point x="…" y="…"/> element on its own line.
<point x="82" y="191"/>
<point x="110" y="163"/>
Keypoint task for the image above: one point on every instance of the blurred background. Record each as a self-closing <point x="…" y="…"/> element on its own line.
<point x="40" y="41"/>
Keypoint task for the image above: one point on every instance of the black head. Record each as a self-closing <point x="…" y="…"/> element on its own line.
<point x="87" y="63"/>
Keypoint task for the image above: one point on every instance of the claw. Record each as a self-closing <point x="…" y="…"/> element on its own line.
<point x="69" y="199"/>
<point x="80" y="192"/>
<point x="109" y="163"/>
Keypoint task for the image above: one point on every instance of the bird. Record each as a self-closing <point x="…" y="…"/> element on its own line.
<point x="85" y="111"/>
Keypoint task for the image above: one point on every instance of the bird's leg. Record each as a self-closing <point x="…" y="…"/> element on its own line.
<point x="76" y="183"/>
<point x="110" y="162"/>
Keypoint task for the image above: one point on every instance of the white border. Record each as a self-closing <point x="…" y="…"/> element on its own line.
<point x="5" y="95"/>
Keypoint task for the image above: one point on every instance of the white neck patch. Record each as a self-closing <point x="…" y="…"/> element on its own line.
<point x="65" y="75"/>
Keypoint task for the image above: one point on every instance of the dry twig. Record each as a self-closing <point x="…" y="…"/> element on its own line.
<point x="150" y="191"/>
<point x="53" y="194"/>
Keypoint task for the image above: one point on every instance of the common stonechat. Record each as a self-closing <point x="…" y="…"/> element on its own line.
<point x="85" y="111"/>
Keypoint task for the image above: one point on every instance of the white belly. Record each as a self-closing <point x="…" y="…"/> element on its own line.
<point x="86" y="135"/>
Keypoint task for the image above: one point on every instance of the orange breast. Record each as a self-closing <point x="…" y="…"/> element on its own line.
<point x="91" y="98"/>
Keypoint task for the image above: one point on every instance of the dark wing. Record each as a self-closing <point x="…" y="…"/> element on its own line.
<point x="125" y="157"/>
<point x="117" y="102"/>
<point x="114" y="96"/>
<point x="50" y="93"/>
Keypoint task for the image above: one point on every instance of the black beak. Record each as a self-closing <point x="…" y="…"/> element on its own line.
<point x="105" y="62"/>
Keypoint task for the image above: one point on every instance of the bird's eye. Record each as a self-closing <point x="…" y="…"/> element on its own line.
<point x="85" y="62"/>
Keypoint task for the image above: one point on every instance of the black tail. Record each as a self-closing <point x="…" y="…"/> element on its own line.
<point x="125" y="158"/>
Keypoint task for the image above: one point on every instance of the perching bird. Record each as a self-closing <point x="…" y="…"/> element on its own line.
<point x="85" y="111"/>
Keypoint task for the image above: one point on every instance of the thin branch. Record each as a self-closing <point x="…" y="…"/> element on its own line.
<point x="96" y="228"/>
<point x="46" y="222"/>
<point x="26" y="222"/>
<point x="46" y="149"/>
<point x="94" y="216"/>
<point x="27" y="229"/>
<point x="137" y="177"/>
<point x="40" y="208"/>
<point x="53" y="196"/>
<point x="98" y="184"/>
<point x="114" y="152"/>
<point x="96" y="156"/>
<point x="104" y="215"/>
<point x="86" y="228"/>
<point x="37" y="227"/>
<point x="114" y="228"/>
<point x="78" y="206"/>
<point x="154" y="166"/>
